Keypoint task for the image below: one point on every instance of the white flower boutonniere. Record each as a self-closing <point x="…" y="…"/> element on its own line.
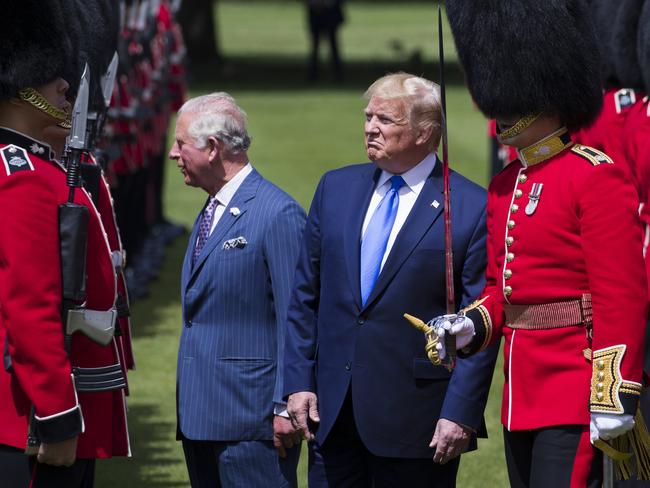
<point x="234" y="211"/>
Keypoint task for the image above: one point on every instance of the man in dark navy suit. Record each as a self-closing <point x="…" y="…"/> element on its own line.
<point x="356" y="375"/>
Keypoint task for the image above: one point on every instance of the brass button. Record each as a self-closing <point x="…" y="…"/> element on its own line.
<point x="523" y="178"/>
<point x="601" y="364"/>
<point x="511" y="224"/>
<point x="507" y="274"/>
<point x="600" y="396"/>
<point x="509" y="241"/>
<point x="601" y="376"/>
<point x="514" y="208"/>
<point x="507" y="290"/>
<point x="510" y="257"/>
<point x="518" y="193"/>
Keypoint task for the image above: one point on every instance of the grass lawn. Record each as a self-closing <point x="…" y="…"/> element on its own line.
<point x="297" y="135"/>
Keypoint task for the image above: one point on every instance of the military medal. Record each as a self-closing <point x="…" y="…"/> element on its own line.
<point x="533" y="198"/>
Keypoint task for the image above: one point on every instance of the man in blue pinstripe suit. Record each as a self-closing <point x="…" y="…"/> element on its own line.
<point x="235" y="287"/>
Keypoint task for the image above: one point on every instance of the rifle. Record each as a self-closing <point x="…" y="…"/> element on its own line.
<point x="73" y="237"/>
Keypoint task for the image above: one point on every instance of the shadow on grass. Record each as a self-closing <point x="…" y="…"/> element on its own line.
<point x="290" y="73"/>
<point x="148" y="313"/>
<point x="155" y="462"/>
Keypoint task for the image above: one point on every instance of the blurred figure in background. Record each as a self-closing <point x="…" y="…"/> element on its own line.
<point x="324" y="19"/>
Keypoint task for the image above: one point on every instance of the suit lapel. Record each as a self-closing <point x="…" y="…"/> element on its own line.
<point x="361" y="191"/>
<point x="241" y="200"/>
<point x="187" y="261"/>
<point x="420" y="219"/>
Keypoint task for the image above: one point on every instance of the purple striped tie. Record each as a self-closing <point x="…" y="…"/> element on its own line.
<point x="204" y="227"/>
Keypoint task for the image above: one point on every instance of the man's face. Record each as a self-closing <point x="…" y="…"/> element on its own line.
<point x="194" y="163"/>
<point x="390" y="140"/>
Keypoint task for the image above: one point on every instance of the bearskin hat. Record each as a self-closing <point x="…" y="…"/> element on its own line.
<point x="624" y="44"/>
<point x="94" y="26"/>
<point x="34" y="45"/>
<point x="604" y="12"/>
<point x="523" y="57"/>
<point x="643" y="45"/>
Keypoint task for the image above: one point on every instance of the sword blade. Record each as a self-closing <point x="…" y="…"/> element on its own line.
<point x="450" y="340"/>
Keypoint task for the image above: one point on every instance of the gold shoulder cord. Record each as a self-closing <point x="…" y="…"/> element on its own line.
<point x="37" y="100"/>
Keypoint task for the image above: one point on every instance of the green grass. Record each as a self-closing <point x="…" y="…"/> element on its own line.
<point x="371" y="32"/>
<point x="298" y="134"/>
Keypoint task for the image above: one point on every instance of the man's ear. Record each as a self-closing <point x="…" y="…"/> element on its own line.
<point x="215" y="147"/>
<point x="424" y="135"/>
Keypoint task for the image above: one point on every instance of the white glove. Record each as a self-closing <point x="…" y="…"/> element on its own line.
<point x="459" y="325"/>
<point x="609" y="425"/>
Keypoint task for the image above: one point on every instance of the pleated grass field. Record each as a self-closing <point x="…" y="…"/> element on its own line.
<point x="299" y="131"/>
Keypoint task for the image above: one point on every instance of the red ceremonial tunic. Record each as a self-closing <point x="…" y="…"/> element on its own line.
<point x="32" y="187"/>
<point x="106" y="209"/>
<point x="583" y="236"/>
<point x="608" y="133"/>
<point x="637" y="149"/>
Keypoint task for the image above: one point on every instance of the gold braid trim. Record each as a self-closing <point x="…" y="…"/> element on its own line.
<point x="521" y="125"/>
<point x="607" y="382"/>
<point x="35" y="99"/>
<point x="485" y="315"/>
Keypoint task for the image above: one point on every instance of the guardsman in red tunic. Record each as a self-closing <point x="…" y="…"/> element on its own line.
<point x="67" y="407"/>
<point x="617" y="24"/>
<point x="566" y="284"/>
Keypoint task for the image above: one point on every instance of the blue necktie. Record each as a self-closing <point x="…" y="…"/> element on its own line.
<point x="376" y="237"/>
<point x="204" y="227"/>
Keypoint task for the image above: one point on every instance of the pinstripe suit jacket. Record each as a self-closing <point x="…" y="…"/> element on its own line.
<point x="234" y="310"/>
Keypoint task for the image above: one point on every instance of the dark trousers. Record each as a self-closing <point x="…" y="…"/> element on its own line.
<point x="556" y="457"/>
<point x="250" y="464"/>
<point x="344" y="462"/>
<point x="18" y="470"/>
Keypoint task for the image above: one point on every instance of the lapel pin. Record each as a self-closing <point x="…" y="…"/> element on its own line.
<point x="435" y="204"/>
<point x="234" y="211"/>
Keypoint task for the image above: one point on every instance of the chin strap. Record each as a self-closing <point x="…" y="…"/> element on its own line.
<point x="35" y="99"/>
<point x="521" y="125"/>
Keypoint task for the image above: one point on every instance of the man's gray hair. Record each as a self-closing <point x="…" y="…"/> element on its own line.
<point x="217" y="115"/>
<point x="421" y="99"/>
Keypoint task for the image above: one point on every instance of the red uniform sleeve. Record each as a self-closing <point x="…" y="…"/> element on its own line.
<point x="30" y="298"/>
<point x="610" y="233"/>
<point x="487" y="311"/>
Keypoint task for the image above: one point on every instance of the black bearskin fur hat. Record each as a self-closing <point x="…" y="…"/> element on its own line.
<point x="643" y="45"/>
<point x="624" y="43"/>
<point x="523" y="57"/>
<point x="94" y="23"/>
<point x="34" y="45"/>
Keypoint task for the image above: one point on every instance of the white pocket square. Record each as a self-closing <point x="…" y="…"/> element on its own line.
<point x="237" y="242"/>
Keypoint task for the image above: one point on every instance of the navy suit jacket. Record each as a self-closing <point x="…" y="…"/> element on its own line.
<point x="234" y="311"/>
<point x="334" y="343"/>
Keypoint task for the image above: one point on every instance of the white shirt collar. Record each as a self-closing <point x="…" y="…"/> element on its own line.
<point x="227" y="191"/>
<point x="414" y="177"/>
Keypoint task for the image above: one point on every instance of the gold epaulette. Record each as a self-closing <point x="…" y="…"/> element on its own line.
<point x="594" y="156"/>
